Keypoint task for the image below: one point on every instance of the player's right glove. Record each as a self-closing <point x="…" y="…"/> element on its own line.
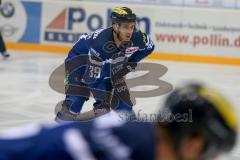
<point x="120" y="71"/>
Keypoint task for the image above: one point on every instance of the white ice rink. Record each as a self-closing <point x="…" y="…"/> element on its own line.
<point x="25" y="95"/>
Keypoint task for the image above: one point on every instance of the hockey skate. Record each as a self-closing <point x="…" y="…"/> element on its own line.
<point x="5" y="55"/>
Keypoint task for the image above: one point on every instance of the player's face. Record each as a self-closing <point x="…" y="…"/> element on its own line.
<point x="164" y="147"/>
<point x="126" y="30"/>
<point x="189" y="149"/>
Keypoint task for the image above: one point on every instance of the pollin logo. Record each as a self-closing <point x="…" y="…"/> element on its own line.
<point x="70" y="23"/>
<point x="57" y="31"/>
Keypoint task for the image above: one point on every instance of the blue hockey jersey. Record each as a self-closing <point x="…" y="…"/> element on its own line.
<point x="105" y="138"/>
<point x="101" y="44"/>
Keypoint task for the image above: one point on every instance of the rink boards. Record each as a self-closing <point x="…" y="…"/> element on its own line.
<point x="180" y="34"/>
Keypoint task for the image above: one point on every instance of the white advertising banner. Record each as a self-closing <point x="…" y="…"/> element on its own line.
<point x="175" y="30"/>
<point x="195" y="31"/>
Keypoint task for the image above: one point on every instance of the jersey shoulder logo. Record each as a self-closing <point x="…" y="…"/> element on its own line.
<point x="131" y="50"/>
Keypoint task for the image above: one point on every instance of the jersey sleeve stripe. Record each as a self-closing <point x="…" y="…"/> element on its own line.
<point x="76" y="145"/>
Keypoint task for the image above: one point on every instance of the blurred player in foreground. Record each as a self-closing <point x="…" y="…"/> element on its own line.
<point x="209" y="131"/>
<point x="110" y="54"/>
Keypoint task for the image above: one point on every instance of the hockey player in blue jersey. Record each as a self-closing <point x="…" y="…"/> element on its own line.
<point x="108" y="54"/>
<point x="210" y="130"/>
